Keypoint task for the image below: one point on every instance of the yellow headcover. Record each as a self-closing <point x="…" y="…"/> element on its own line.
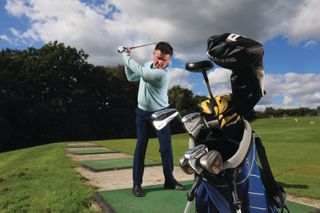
<point x="221" y="107"/>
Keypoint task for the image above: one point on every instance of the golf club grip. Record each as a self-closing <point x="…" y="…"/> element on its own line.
<point x="196" y="182"/>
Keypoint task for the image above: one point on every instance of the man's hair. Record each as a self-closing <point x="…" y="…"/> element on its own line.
<point x="164" y="47"/>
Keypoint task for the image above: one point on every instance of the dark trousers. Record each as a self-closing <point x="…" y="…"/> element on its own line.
<point x="144" y="126"/>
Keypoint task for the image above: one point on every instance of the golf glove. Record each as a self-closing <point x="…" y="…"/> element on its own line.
<point x="122" y="49"/>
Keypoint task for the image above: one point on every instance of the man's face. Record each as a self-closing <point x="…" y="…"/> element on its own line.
<point x="160" y="60"/>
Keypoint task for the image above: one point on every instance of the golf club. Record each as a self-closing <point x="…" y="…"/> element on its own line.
<point x="193" y="156"/>
<point x="203" y="67"/>
<point x="122" y="48"/>
<point x="212" y="162"/>
<point x="143" y="45"/>
<point x="161" y="118"/>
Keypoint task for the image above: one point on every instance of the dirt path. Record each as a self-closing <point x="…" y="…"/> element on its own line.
<point x="304" y="200"/>
<point x="120" y="179"/>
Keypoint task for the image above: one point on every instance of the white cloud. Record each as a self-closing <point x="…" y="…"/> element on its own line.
<point x="296" y="90"/>
<point x="305" y="23"/>
<point x="290" y="90"/>
<point x="260" y="108"/>
<point x="219" y="76"/>
<point x="180" y="77"/>
<point x="287" y="100"/>
<point x="5" y="38"/>
<point x="17" y="8"/>
<point x="311" y="43"/>
<point x="100" y="28"/>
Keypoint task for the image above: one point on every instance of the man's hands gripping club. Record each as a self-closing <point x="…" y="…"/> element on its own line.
<point x="122" y="49"/>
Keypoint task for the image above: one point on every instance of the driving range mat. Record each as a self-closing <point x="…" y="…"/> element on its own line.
<point x="157" y="199"/>
<point x="113" y="164"/>
<point x="82" y="145"/>
<point x="160" y="200"/>
<point x="91" y="151"/>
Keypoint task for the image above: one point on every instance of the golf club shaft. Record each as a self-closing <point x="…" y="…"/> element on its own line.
<point x="143" y="45"/>
<point x="207" y="83"/>
<point x="188" y="206"/>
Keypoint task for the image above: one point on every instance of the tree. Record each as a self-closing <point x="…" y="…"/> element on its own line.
<point x="182" y="99"/>
<point x="54" y="94"/>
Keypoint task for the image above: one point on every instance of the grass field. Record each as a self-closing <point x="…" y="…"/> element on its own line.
<point x="42" y="179"/>
<point x="292" y="145"/>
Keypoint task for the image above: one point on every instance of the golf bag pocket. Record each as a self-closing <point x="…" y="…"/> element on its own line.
<point x="214" y="195"/>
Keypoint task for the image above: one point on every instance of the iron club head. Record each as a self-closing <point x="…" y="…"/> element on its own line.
<point x="161" y="118"/>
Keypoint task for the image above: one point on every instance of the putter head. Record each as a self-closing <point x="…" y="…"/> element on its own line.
<point x="161" y="118"/>
<point x="212" y="162"/>
<point x="193" y="156"/>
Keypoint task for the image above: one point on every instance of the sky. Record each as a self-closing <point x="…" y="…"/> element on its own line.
<point x="288" y="29"/>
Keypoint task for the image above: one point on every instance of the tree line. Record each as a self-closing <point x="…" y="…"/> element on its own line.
<point x="302" y="111"/>
<point x="53" y="94"/>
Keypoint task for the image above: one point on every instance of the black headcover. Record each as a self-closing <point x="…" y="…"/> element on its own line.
<point x="232" y="50"/>
<point x="244" y="57"/>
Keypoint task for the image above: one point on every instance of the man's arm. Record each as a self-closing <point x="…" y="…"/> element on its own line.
<point x="131" y="76"/>
<point x="147" y="73"/>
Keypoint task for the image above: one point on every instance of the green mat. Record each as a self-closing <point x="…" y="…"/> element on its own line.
<point x="159" y="200"/>
<point x="112" y="164"/>
<point x="91" y="151"/>
<point x="81" y="145"/>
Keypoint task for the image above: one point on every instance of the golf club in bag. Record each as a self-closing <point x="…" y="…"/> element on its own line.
<point x="227" y="176"/>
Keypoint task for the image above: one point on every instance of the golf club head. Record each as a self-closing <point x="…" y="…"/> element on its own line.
<point x="191" y="121"/>
<point x="161" y="118"/>
<point x="185" y="166"/>
<point x="212" y="162"/>
<point x="193" y="156"/>
<point x="199" y="66"/>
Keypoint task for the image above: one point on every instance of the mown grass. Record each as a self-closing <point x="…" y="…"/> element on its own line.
<point x="292" y="147"/>
<point x="42" y="179"/>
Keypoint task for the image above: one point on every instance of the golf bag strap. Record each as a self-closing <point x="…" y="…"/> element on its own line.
<point x="273" y="188"/>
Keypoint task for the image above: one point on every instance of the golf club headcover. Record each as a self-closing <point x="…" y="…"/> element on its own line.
<point x="232" y="50"/>
<point x="244" y="57"/>
<point x="221" y="107"/>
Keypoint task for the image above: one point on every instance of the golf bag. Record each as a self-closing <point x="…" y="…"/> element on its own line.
<point x="224" y="151"/>
<point x="246" y="187"/>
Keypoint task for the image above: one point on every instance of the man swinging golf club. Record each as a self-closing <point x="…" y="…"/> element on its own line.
<point x="154" y="77"/>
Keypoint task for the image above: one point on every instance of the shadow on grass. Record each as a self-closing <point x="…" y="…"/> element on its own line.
<point x="295" y="186"/>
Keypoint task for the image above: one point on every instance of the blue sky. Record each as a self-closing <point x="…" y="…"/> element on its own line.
<point x="288" y="29"/>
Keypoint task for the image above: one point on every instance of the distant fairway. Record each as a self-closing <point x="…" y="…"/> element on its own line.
<point x="292" y="145"/>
